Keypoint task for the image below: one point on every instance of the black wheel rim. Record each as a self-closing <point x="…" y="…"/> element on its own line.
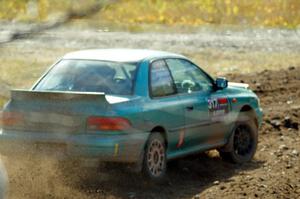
<point x="243" y="141"/>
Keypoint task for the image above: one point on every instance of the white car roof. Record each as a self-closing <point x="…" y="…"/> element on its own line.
<point x="119" y="55"/>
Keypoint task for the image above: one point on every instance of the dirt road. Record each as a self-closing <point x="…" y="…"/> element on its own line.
<point x="275" y="171"/>
<point x="183" y="40"/>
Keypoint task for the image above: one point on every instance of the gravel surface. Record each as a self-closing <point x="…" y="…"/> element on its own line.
<point x="274" y="172"/>
<point x="274" y="40"/>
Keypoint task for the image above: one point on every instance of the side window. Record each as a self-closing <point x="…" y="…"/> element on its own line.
<point x="161" y="82"/>
<point x="188" y="77"/>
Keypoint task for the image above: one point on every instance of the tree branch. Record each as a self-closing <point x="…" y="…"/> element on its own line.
<point x="51" y="25"/>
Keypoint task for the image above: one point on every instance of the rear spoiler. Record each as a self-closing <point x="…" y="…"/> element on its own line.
<point x="55" y="95"/>
<point x="65" y="95"/>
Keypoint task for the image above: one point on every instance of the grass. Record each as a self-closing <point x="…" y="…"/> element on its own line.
<point x="220" y="63"/>
<point x="19" y="71"/>
<point x="282" y="13"/>
<point x="3" y="100"/>
<point x="20" y="68"/>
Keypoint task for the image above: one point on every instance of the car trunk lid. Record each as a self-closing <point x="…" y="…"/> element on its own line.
<point x="52" y="111"/>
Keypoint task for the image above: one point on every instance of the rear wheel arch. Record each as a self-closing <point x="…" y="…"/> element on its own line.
<point x="161" y="130"/>
<point x="157" y="129"/>
<point x="154" y="162"/>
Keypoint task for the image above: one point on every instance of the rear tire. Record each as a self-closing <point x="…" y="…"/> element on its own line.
<point x="242" y="144"/>
<point x="155" y="159"/>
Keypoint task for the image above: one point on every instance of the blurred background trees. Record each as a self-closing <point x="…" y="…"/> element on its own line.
<point x="271" y="13"/>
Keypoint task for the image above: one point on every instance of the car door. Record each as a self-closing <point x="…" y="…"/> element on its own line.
<point x="196" y="90"/>
<point x="164" y="108"/>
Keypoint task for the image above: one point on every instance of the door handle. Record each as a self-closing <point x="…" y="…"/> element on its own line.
<point x="189" y="108"/>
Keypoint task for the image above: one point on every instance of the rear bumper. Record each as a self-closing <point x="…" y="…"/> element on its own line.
<point x="113" y="148"/>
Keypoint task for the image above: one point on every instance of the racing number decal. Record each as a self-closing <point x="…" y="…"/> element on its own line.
<point x="218" y="106"/>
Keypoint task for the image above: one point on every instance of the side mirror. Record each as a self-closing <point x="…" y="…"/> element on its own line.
<point x="221" y="83"/>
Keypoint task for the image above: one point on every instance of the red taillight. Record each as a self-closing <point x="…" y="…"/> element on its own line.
<point x="222" y="100"/>
<point x="10" y="118"/>
<point x="107" y="124"/>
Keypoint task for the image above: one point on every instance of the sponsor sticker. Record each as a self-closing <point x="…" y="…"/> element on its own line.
<point x="218" y="106"/>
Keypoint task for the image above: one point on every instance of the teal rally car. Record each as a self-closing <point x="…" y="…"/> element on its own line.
<point x="135" y="106"/>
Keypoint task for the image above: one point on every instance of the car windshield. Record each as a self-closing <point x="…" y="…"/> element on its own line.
<point x="90" y="76"/>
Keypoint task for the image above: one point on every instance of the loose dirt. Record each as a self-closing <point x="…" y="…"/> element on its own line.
<point x="274" y="172"/>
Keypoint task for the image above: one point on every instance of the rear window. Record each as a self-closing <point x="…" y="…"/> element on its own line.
<point x="90" y="76"/>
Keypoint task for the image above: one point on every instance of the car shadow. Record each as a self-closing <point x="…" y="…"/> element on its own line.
<point x="186" y="178"/>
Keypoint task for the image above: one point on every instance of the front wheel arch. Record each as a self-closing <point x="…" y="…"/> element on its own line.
<point x="227" y="152"/>
<point x="248" y="111"/>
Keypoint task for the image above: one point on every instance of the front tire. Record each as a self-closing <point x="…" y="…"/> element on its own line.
<point x="155" y="159"/>
<point x="242" y="144"/>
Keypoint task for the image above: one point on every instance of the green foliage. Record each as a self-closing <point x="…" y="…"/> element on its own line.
<point x="3" y="100"/>
<point x="285" y="13"/>
<point x="196" y="12"/>
<point x="11" y="9"/>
